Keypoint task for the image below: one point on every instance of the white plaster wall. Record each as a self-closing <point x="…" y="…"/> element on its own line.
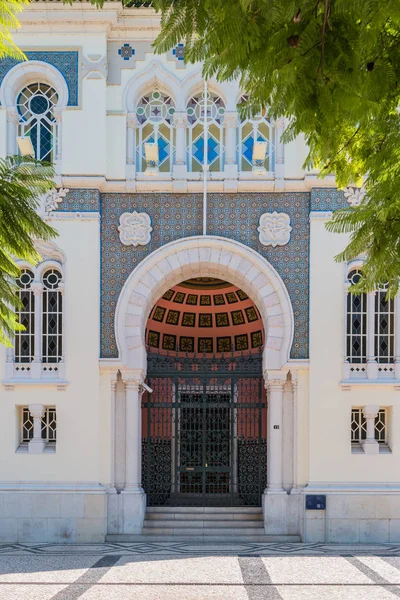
<point x="3" y="133"/>
<point x="78" y="411"/>
<point x="330" y="457"/>
<point x="116" y="146"/>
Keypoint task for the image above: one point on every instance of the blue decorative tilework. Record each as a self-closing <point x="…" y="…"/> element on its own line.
<point x="327" y="199"/>
<point x="67" y="62"/>
<point x="179" y="52"/>
<point x="126" y="51"/>
<point x="235" y="216"/>
<point x="80" y="201"/>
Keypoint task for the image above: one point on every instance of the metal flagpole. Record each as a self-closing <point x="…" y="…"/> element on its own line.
<point x="205" y="160"/>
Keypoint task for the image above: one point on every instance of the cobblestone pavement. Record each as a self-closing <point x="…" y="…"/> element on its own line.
<point x="166" y="571"/>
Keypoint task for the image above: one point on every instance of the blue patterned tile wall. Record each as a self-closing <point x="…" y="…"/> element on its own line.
<point x="235" y="216"/>
<point x="81" y="201"/>
<point x="327" y="199"/>
<point x="67" y="62"/>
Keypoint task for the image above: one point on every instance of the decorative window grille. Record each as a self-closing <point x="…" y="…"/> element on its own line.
<point x="257" y="128"/>
<point x="359" y="426"/>
<point x="25" y="340"/>
<point x="52" y="317"/>
<point x="195" y="132"/>
<point x="35" y="105"/>
<point x="49" y="425"/>
<point x="155" y="116"/>
<point x="384" y="326"/>
<point x="356" y="337"/>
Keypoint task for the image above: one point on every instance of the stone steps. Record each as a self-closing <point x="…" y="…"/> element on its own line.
<point x="203" y="525"/>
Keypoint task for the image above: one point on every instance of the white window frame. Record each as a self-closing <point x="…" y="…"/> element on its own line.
<point x="47" y="428"/>
<point x="384" y="370"/>
<point x="38" y="369"/>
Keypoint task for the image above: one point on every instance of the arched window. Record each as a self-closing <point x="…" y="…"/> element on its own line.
<point x="356" y="337"/>
<point x="52" y="317"/>
<point x="155" y="118"/>
<point x="384" y="326"/>
<point x="25" y="340"/>
<point x="257" y="128"/>
<point x="35" y="105"/>
<point x="195" y="132"/>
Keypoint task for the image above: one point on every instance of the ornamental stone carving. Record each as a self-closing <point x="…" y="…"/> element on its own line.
<point x="274" y="229"/>
<point x="135" y="229"/>
<point x="51" y="201"/>
<point x="355" y="196"/>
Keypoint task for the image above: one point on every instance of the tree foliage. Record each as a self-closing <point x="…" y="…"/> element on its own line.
<point x="9" y="9"/>
<point x="332" y="67"/>
<point x="22" y="182"/>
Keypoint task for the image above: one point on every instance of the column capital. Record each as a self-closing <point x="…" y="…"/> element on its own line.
<point x="58" y="114"/>
<point x="280" y="122"/>
<point x="370" y="411"/>
<point x="12" y="115"/>
<point x="231" y="119"/>
<point x="180" y="119"/>
<point x="37" y="289"/>
<point x="133" y="379"/>
<point x="275" y="379"/>
<point x="36" y="411"/>
<point x="372" y="294"/>
<point x="132" y="121"/>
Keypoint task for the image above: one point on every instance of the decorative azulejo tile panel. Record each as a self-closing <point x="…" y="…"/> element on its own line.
<point x="237" y="216"/>
<point x="67" y="62"/>
<point x="234" y="216"/>
<point x="80" y="201"/>
<point x="327" y="199"/>
<point x="172" y="217"/>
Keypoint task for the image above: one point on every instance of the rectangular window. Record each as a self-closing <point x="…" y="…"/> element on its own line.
<point x="359" y="426"/>
<point x="384" y="327"/>
<point x="49" y="425"/>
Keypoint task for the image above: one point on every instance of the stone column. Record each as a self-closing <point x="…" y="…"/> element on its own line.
<point x="132" y="124"/>
<point x="397" y="336"/>
<point x="231" y="170"/>
<point x="372" y="365"/>
<point x="12" y="131"/>
<point x="274" y="385"/>
<point x="280" y="125"/>
<point x="37" y="444"/>
<point x="36" y="367"/>
<point x="179" y="169"/>
<point x="295" y="386"/>
<point x="370" y="445"/>
<point x="58" y="148"/>
<point x="134" y="502"/>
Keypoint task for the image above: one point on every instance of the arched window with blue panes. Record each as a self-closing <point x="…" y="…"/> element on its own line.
<point x="35" y="106"/>
<point x="195" y="110"/>
<point x="155" y="119"/>
<point x="257" y="128"/>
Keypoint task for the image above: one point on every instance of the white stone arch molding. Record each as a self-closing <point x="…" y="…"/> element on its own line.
<point x="155" y="74"/>
<point x="203" y="256"/>
<point x="32" y="71"/>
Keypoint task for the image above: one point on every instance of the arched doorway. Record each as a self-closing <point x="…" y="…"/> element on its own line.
<point x="182" y="260"/>
<point x="204" y="425"/>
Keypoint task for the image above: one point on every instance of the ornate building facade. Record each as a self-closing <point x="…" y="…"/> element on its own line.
<point x="188" y="348"/>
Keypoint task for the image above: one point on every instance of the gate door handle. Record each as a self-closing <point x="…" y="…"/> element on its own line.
<point x="206" y="465"/>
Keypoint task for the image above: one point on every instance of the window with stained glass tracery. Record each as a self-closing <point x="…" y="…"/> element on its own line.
<point x="155" y="113"/>
<point x="195" y="111"/>
<point x="257" y="128"/>
<point x="35" y="106"/>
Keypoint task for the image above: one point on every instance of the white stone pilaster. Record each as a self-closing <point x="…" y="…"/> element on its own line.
<point x="134" y="499"/>
<point x="275" y="381"/>
<point x="12" y="131"/>
<point x="179" y="169"/>
<point x="370" y="445"/>
<point x="372" y="365"/>
<point x="231" y="121"/>
<point x="113" y="388"/>
<point x="295" y="387"/>
<point x="132" y="124"/>
<point x="280" y="125"/>
<point x="37" y="444"/>
<point x="36" y="367"/>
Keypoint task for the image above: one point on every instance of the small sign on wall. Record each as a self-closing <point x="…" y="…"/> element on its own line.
<point x="315" y="502"/>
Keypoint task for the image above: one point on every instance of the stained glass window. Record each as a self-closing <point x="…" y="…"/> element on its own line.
<point x="257" y="128"/>
<point x="25" y="340"/>
<point x="384" y="326"/>
<point x="195" y="110"/>
<point x="52" y="317"/>
<point x="35" y="105"/>
<point x="356" y="341"/>
<point x="155" y="117"/>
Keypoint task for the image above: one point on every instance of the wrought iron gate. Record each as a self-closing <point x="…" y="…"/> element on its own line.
<point x="204" y="431"/>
